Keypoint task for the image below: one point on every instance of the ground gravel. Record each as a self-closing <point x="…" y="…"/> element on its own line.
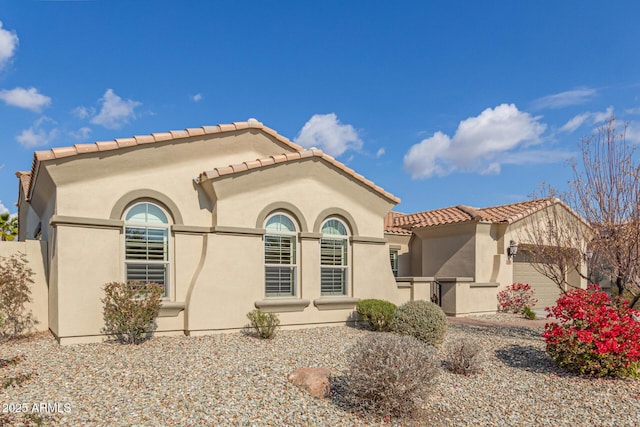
<point x="236" y="379"/>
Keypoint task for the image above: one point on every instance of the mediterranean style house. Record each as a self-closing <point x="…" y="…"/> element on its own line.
<point x="233" y="217"/>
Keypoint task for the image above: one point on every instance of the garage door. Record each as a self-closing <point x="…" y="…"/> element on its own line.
<point x="545" y="290"/>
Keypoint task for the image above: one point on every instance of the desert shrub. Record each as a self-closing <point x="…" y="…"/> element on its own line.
<point x="264" y="324"/>
<point x="423" y="320"/>
<point x="592" y="336"/>
<point x="131" y="309"/>
<point x="515" y="297"/>
<point x="378" y="313"/>
<point x="464" y="356"/>
<point x="390" y="374"/>
<point x="528" y="313"/>
<point x="15" y="294"/>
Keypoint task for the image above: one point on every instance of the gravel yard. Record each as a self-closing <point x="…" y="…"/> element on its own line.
<point x="234" y="379"/>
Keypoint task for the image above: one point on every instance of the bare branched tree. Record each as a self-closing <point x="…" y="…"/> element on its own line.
<point x="555" y="239"/>
<point x="606" y="192"/>
<point x="604" y="195"/>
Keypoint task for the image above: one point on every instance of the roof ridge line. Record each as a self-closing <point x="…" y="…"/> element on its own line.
<point x="303" y="154"/>
<point x="471" y="211"/>
<point x="156" y="137"/>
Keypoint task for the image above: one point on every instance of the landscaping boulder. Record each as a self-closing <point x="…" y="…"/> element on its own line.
<point x="313" y="380"/>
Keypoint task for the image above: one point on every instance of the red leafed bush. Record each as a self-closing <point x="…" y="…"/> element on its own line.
<point x="592" y="336"/>
<point x="515" y="297"/>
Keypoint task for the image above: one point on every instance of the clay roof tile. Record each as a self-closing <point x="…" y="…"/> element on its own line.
<point x="195" y="131"/>
<point x="125" y="142"/>
<point x="162" y="136"/>
<point x="144" y="139"/>
<point x="106" y="145"/>
<point x="86" y="148"/>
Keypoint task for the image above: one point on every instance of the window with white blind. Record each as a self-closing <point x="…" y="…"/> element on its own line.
<point x="280" y="263"/>
<point x="393" y="257"/>
<point x="146" y="237"/>
<point x="334" y="264"/>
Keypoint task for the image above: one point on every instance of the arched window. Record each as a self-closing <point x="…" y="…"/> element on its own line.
<point x="280" y="263"/>
<point x="146" y="239"/>
<point x="334" y="260"/>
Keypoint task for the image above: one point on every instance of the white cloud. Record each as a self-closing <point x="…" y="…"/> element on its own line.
<point x="81" y="134"/>
<point x="197" y="97"/>
<point x="3" y="208"/>
<point x="115" y="111"/>
<point x="83" y="112"/>
<point x="380" y="153"/>
<point x="37" y="135"/>
<point x="575" y="122"/>
<point x="325" y="131"/>
<point x="28" y="99"/>
<point x="565" y="99"/>
<point x="8" y="44"/>
<point x="632" y="133"/>
<point x="481" y="144"/>
<point x="588" y="117"/>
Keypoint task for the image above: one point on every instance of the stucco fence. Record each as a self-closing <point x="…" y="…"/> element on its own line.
<point x="35" y="252"/>
<point x="458" y="296"/>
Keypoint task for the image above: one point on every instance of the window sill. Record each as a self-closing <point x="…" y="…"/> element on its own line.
<point x="282" y="304"/>
<point x="335" y="303"/>
<point x="171" y="309"/>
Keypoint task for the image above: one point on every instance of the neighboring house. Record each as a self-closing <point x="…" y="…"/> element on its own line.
<point x="461" y="254"/>
<point x="227" y="218"/>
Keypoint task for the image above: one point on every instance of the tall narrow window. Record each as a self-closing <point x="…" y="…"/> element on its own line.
<point x="280" y="256"/>
<point x="393" y="257"/>
<point x="147" y="245"/>
<point x="334" y="262"/>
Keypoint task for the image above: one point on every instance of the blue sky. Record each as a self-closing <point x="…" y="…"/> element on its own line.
<point x="440" y="103"/>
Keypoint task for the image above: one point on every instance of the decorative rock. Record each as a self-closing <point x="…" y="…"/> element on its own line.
<point x="313" y="380"/>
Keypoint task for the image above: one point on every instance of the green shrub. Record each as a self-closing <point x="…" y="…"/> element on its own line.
<point x="423" y="320"/>
<point x="264" y="324"/>
<point x="464" y="356"/>
<point x="130" y="310"/>
<point x="528" y="313"/>
<point x="390" y="374"/>
<point x="15" y="294"/>
<point x="378" y="313"/>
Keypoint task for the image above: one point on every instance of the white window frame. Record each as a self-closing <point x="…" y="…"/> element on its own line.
<point x="341" y="270"/>
<point x="292" y="267"/>
<point x="393" y="258"/>
<point x="165" y="229"/>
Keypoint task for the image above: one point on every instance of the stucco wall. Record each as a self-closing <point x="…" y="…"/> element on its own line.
<point x="313" y="187"/>
<point x="449" y="250"/>
<point x="36" y="253"/>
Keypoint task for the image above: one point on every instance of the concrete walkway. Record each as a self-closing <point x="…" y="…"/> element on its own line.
<point x="539" y="322"/>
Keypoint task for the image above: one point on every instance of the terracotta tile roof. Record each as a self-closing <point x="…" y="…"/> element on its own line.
<point x="25" y="179"/>
<point x="291" y="157"/>
<point x="457" y="214"/>
<point x="391" y="227"/>
<point x="515" y="211"/>
<point x="57" y="153"/>
<point x="77" y="149"/>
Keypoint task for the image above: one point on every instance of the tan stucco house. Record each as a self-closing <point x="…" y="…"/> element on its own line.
<point x="227" y="218"/>
<point x="233" y="217"/>
<point x="461" y="254"/>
